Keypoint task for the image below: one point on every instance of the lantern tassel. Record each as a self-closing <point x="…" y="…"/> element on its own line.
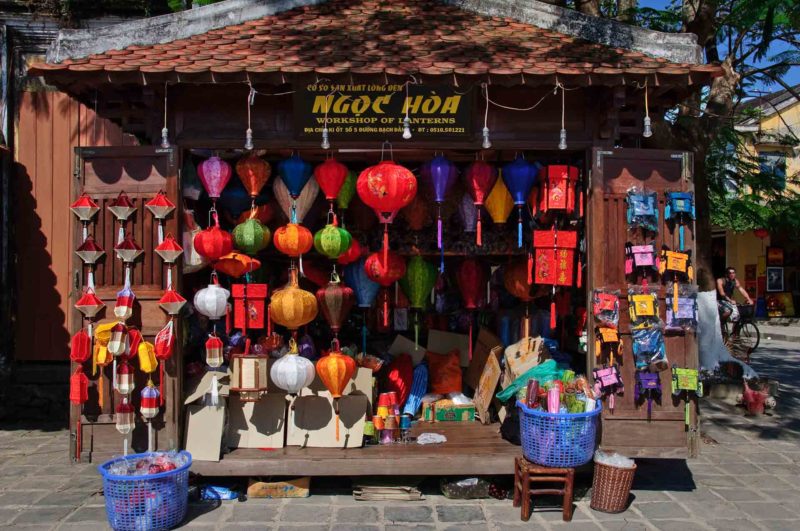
<point x="439" y="227"/>
<point x="579" y="280"/>
<point x="611" y="402"/>
<point x="150" y="437"/>
<point x="680" y="237"/>
<point x="364" y="334"/>
<point x="530" y="268"/>
<point x="114" y="372"/>
<point x="552" y="315"/>
<point x="470" y="336"/>
<point x="214" y="391"/>
<point x="169" y="277"/>
<point x="294" y="211"/>
<point x="386" y="311"/>
<point x="160" y="232"/>
<point x="90" y="277"/>
<point x="125" y="445"/>
<point x="519" y="231"/>
<point x="100" y="400"/>
<point x="85" y="231"/>
<point x="300" y="261"/>
<point x="479" y="232"/>
<point x="386" y="243"/>
<point x="121" y="233"/>
<point x="675" y="298"/>
<point x="78" y="442"/>
<point x="416" y="331"/>
<point x="649" y="407"/>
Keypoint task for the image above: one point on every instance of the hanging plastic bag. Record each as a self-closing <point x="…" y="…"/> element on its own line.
<point x="649" y="351"/>
<point x="685" y="318"/>
<point x="643" y="307"/>
<point x="642" y="212"/>
<point x="605" y="307"/>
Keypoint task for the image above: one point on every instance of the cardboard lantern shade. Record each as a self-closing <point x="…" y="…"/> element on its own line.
<point x="84" y="208"/>
<point x="365" y="289"/>
<point x="254" y="173"/>
<point x="292" y="372"/>
<point x="123" y="308"/>
<point x="386" y="188"/>
<point x="251" y="236"/>
<point x="214" y="356"/>
<point x="249" y="374"/>
<point x="293" y="240"/>
<point x="214" y="173"/>
<point x="347" y="191"/>
<point x="330" y="176"/>
<point x="160" y="206"/>
<point x="292" y="306"/>
<point x="89" y="251"/>
<point x="123" y="379"/>
<point x="519" y="177"/>
<point x="150" y="402"/>
<point x="171" y="302"/>
<point x="213" y="243"/>
<point x="169" y="250"/>
<point x="128" y="250"/>
<point x="249" y="303"/>
<point x="557" y="191"/>
<point x="124" y="417"/>
<point x="335" y="301"/>
<point x="335" y="370"/>
<point x="212" y="301"/>
<point x="89" y="304"/>
<point x="480" y="178"/>
<point x="499" y="202"/>
<point x="352" y="253"/>
<point x="332" y="241"/>
<point x="295" y="208"/>
<point x="236" y="264"/>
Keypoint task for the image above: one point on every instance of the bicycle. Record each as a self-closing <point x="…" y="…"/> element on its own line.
<point x="742" y="337"/>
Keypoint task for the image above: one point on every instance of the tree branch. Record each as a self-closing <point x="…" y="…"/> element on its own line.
<point x="790" y="89"/>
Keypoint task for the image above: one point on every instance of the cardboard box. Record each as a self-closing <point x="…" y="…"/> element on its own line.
<point x="487" y="343"/>
<point x="204" y="428"/>
<point x="259" y="424"/>
<point x="312" y="422"/>
<point x="446" y="411"/>
<point x="486" y="388"/>
<point x="290" y="488"/>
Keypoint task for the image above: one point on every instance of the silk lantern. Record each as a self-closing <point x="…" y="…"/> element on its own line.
<point x="352" y="253"/>
<point x="263" y="213"/>
<point x="499" y="203"/>
<point x="251" y="236"/>
<point x="295" y="209"/>
<point x="295" y="173"/>
<point x="472" y="277"/>
<point x="332" y="241"/>
<point x="254" y="173"/>
<point x="515" y="280"/>
<point x="213" y="243"/>
<point x="161" y="207"/>
<point x="442" y="174"/>
<point x="480" y="178"/>
<point x="385" y="274"/>
<point x="171" y="302"/>
<point x="89" y="304"/>
<point x="294" y="241"/>
<point x="236" y="264"/>
<point x="335" y="370"/>
<point x="214" y="173"/>
<point x="386" y="188"/>
<point x="212" y="301"/>
<point x="292" y="306"/>
<point x="417" y="284"/>
<point x="330" y="176"/>
<point x="235" y="199"/>
<point x="519" y="177"/>
<point x="347" y="191"/>
<point x="468" y="213"/>
<point x="292" y="372"/>
<point x="89" y="251"/>
<point x="335" y="301"/>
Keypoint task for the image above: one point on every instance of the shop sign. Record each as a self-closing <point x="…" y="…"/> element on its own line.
<point x="377" y="111"/>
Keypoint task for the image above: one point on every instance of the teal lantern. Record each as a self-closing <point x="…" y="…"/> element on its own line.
<point x="251" y="236"/>
<point x="332" y="241"/>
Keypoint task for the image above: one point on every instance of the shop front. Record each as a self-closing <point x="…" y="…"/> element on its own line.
<point x="355" y="220"/>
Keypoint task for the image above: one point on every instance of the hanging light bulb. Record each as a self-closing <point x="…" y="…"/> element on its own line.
<point x="248" y="135"/>
<point x="486" y="142"/>
<point x="165" y="130"/>
<point x="562" y="136"/>
<point x="406" y="128"/>
<point x="562" y="139"/>
<point x="248" y="139"/>
<point x="647" y="131"/>
<point x="326" y="144"/>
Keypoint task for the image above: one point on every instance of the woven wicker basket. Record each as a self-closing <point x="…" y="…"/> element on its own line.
<point x="611" y="488"/>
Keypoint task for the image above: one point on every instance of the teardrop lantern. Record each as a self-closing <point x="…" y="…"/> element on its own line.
<point x="499" y="203"/>
<point x="468" y="213"/>
<point x="254" y="173"/>
<point x="295" y="209"/>
<point x="347" y="191"/>
<point x="89" y="251"/>
<point x="292" y="372"/>
<point x="295" y="173"/>
<point x="330" y="175"/>
<point x="365" y="289"/>
<point x="213" y="243"/>
<point x="480" y="178"/>
<point x="214" y="173"/>
<point x="214" y="355"/>
<point x="335" y="301"/>
<point x="212" y="301"/>
<point x="169" y="250"/>
<point x="251" y="236"/>
<point x="292" y="306"/>
<point x="519" y="177"/>
<point x="171" y="302"/>
<point x="418" y="281"/>
<point x="472" y="277"/>
<point x="332" y="241"/>
<point x="442" y="174"/>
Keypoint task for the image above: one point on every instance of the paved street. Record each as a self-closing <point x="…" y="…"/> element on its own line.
<point x="746" y="478"/>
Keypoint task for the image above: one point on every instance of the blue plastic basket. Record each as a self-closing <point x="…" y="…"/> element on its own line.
<point x="139" y="503"/>
<point x="562" y="440"/>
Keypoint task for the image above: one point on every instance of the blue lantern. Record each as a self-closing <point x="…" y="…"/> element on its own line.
<point x="355" y="276"/>
<point x="519" y="177"/>
<point x="235" y="199"/>
<point x="295" y="173"/>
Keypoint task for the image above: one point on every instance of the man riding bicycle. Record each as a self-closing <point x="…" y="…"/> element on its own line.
<point x="725" y="301"/>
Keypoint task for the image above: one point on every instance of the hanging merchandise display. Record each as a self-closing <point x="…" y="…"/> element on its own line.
<point x="85" y="209"/>
<point x="254" y="172"/>
<point x="291" y="306"/>
<point x="643" y="306"/>
<point x="608" y="384"/>
<point x="649" y="351"/>
<point x="554" y="259"/>
<point x="557" y="191"/>
<point x="164" y="348"/>
<point x="192" y="260"/>
<point x="335" y="302"/>
<point x="236" y="264"/>
<point x="213" y="243"/>
<point x="336" y="370"/>
<point x="122" y="208"/>
<point x="648" y="387"/>
<point x="685" y="318"/>
<point x="480" y="178"/>
<point x="679" y="211"/>
<point x="89" y="304"/>
<point x="128" y="250"/>
<point x="385" y="273"/>
<point x="292" y="372"/>
<point x="641" y="261"/>
<point x="499" y="202"/>
<point x="607" y="344"/>
<point x="249" y="306"/>
<point x="519" y="177"/>
<point x="417" y="284"/>
<point x="169" y="250"/>
<point x="214" y="173"/>
<point x="675" y="267"/>
<point x="605" y="307"/>
<point x="249" y="374"/>
<point x="642" y="211"/>
<point x="79" y="353"/>
<point x="332" y="241"/>
<point x="212" y="301"/>
<point x="251" y="236"/>
<point x="89" y="251"/>
<point x="468" y="213"/>
<point x="685" y="383"/>
<point x="386" y="188"/>
<point x="161" y="207"/>
<point x="441" y="175"/>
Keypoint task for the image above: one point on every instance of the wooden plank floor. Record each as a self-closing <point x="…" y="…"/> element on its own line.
<point x="471" y="449"/>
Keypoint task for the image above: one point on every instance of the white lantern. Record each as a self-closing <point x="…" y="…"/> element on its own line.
<point x="192" y="260"/>
<point x="292" y="372"/>
<point x="212" y="301"/>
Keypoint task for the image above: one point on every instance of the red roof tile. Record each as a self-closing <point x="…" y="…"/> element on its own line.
<point x="374" y="38"/>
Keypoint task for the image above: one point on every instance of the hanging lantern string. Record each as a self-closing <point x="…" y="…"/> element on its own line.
<point x="248" y="136"/>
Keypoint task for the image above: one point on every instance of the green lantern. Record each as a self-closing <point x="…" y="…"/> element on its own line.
<point x="418" y="281"/>
<point x="332" y="241"/>
<point x="251" y="236"/>
<point x="347" y="191"/>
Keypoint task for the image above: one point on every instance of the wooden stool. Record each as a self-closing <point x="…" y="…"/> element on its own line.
<point x="526" y="473"/>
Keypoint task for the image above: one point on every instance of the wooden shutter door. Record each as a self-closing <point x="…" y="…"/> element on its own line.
<point x="627" y="430"/>
<point x="141" y="172"/>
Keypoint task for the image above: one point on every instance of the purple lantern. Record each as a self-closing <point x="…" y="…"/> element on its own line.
<point x="468" y="213"/>
<point x="442" y="174"/>
<point x="519" y="177"/>
<point x="214" y="173"/>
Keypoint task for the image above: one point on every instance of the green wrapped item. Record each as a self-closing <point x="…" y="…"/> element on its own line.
<point x="545" y="372"/>
<point x="573" y="403"/>
<point x="568" y="376"/>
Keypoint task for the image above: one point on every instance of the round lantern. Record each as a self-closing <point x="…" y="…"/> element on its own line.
<point x="418" y="281"/>
<point x="364" y="288"/>
<point x="385" y="273"/>
<point x="472" y="277"/>
<point x="212" y="301"/>
<point x="263" y="213"/>
<point x="761" y="234"/>
<point x="335" y="370"/>
<point x="235" y="199"/>
<point x="499" y="203"/>
<point x="292" y="372"/>
<point x="515" y="280"/>
<point x="251" y="236"/>
<point x="236" y="264"/>
<point x="330" y="175"/>
<point x="150" y="401"/>
<point x="169" y="250"/>
<point x="347" y="191"/>
<point x="89" y="251"/>
<point x="214" y="173"/>
<point x="214" y="356"/>
<point x="293" y="240"/>
<point x="124" y="418"/>
<point x="254" y="173"/>
<point x="480" y="178"/>
<point x="123" y="379"/>
<point x="295" y="173"/>
<point x="213" y="242"/>
<point x="292" y="306"/>
<point x="335" y="301"/>
<point x="352" y="253"/>
<point x="332" y="241"/>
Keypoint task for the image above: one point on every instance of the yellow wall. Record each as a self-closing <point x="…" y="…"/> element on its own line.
<point x="741" y="249"/>
<point x="777" y="124"/>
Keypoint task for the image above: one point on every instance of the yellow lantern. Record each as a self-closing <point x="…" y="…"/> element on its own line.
<point x="499" y="203"/>
<point x="292" y="306"/>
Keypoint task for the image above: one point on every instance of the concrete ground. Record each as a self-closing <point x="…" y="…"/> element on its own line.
<point x="745" y="478"/>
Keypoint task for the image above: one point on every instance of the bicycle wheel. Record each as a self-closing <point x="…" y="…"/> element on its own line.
<point x="749" y="336"/>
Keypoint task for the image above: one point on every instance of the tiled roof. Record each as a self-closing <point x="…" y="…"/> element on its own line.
<point x="341" y="38"/>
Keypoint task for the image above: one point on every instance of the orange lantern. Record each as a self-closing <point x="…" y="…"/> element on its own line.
<point x="292" y="306"/>
<point x="236" y="264"/>
<point x="254" y="173"/>
<point x="293" y="240"/>
<point x="335" y="370"/>
<point x="499" y="203"/>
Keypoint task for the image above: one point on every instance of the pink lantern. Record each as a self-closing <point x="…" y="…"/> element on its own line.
<point x="85" y="208"/>
<point x="128" y="250"/>
<point x="171" y="302"/>
<point x="169" y="250"/>
<point x="89" y="251"/>
<point x="214" y="173"/>
<point x="89" y="304"/>
<point x="123" y="379"/>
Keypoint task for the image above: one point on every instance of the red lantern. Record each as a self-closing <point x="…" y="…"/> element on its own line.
<point x="124" y="379"/>
<point x="383" y="272"/>
<point x="352" y="254"/>
<point x="515" y="280"/>
<point x="472" y="277"/>
<point x="254" y="173"/>
<point x="335" y="301"/>
<point x="293" y="240"/>
<point x="171" y="302"/>
<point x="85" y="208"/>
<point x="249" y="304"/>
<point x="80" y="347"/>
<point x="557" y="190"/>
<point x="169" y="250"/>
<point x="89" y="251"/>
<point x="89" y="304"/>
<point x="761" y="234"/>
<point x="164" y="346"/>
<point x="128" y="250"/>
<point x="160" y="206"/>
<point x="122" y="207"/>
<point x="480" y="178"/>
<point x="262" y="213"/>
<point x="213" y="243"/>
<point x="78" y="391"/>
<point x="330" y="176"/>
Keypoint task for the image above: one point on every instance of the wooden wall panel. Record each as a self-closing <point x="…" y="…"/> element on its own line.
<point x="49" y="126"/>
